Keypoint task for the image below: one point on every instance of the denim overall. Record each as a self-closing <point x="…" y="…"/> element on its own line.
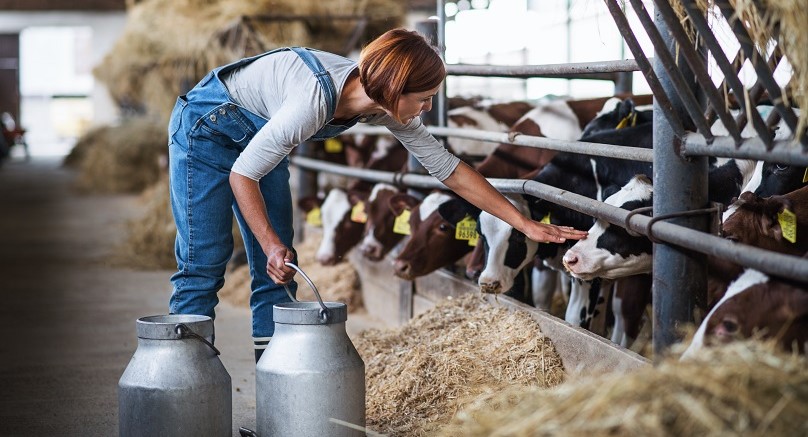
<point x="207" y="132"/>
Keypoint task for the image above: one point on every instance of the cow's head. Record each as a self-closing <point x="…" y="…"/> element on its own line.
<point x="432" y="243"/>
<point x="609" y="251"/>
<point x="756" y="304"/>
<point x="754" y="221"/>
<point x="340" y="232"/>
<point x="379" y="236"/>
<point x="508" y="251"/>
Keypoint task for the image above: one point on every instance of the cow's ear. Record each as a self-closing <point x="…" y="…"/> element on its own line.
<point x="402" y="201"/>
<point x="356" y="196"/>
<point x="456" y="209"/>
<point x="309" y="202"/>
<point x="748" y="196"/>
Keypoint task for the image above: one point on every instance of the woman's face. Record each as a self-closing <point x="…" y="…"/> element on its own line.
<point x="411" y="105"/>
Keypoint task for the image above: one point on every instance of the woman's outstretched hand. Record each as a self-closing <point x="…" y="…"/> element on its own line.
<point x="546" y="233"/>
<point x="277" y="270"/>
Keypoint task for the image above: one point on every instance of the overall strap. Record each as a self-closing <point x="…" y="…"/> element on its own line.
<point x="322" y="76"/>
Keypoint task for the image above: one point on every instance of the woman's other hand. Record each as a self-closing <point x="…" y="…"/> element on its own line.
<point x="547" y="233"/>
<point x="277" y="257"/>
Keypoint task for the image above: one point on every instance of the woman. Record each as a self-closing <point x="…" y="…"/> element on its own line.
<point x="230" y="136"/>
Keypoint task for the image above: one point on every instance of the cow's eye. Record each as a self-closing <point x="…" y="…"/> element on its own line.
<point x="781" y="167"/>
<point x="443" y="227"/>
<point x="729" y="325"/>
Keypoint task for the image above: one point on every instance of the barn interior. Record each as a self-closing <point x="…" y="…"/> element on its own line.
<point x="87" y="88"/>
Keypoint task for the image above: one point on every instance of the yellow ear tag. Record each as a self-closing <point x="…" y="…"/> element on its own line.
<point x="546" y="219"/>
<point x="805" y="176"/>
<point x="633" y="119"/>
<point x="473" y="240"/>
<point x="358" y="213"/>
<point x="788" y="223"/>
<point x="333" y="145"/>
<point x="402" y="223"/>
<point x="466" y="229"/>
<point x="314" y="218"/>
<point x="624" y="122"/>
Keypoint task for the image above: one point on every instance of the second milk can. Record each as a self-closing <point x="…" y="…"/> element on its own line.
<point x="175" y="384"/>
<point x="310" y="381"/>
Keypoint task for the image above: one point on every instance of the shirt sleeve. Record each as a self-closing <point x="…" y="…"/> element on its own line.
<point x="300" y="116"/>
<point x="438" y="161"/>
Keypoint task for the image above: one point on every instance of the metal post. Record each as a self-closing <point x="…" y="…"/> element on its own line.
<point x="680" y="278"/>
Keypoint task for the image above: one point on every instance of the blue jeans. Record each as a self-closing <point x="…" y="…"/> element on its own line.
<point x="207" y="134"/>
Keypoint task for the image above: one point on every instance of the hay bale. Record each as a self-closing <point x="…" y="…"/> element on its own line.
<point x="744" y="388"/>
<point x="169" y="45"/>
<point x="150" y="240"/>
<point x="338" y="283"/>
<point x="124" y="158"/>
<point x="420" y="374"/>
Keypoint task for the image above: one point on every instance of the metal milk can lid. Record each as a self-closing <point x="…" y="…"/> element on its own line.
<point x="164" y="327"/>
<point x="309" y="313"/>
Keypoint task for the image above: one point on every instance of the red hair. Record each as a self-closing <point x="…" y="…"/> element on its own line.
<point x="399" y="62"/>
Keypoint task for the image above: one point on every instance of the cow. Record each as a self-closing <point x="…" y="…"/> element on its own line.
<point x="497" y="117"/>
<point x="756" y="304"/>
<point x="343" y="210"/>
<point x="433" y="226"/>
<point x="379" y="235"/>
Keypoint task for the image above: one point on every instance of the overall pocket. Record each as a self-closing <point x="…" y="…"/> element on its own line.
<point x="226" y="125"/>
<point x="175" y="121"/>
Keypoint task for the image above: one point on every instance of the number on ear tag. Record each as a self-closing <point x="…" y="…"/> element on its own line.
<point x="358" y="213"/>
<point x="466" y="229"/>
<point x="314" y="217"/>
<point x="788" y="223"/>
<point x="402" y="223"/>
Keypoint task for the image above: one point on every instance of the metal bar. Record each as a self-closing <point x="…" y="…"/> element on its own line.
<point x="764" y="74"/>
<point x="680" y="277"/>
<point x="697" y="66"/>
<point x="738" y="63"/>
<point x="675" y="74"/>
<point x="645" y="66"/>
<point x="782" y="151"/>
<point x="757" y="89"/>
<point x="442" y="106"/>
<point x="597" y="149"/>
<point x="596" y="70"/>
<point x="763" y="260"/>
<point x="730" y="75"/>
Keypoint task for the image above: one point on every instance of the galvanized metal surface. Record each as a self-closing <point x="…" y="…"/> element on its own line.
<point x="309" y="373"/>
<point x="597" y="149"/>
<point x="174" y="386"/>
<point x="602" y="70"/>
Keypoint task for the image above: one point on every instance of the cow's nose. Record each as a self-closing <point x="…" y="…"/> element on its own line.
<point x="372" y="253"/>
<point x="570" y="259"/>
<point x="402" y="269"/>
<point x="473" y="274"/>
<point x="490" y="287"/>
<point x="326" y="260"/>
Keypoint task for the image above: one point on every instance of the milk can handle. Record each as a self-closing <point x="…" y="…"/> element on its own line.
<point x="324" y="310"/>
<point x="185" y="332"/>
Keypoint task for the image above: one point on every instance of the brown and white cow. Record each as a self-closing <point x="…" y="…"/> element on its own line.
<point x="756" y="304"/>
<point x="379" y="237"/>
<point x="433" y="225"/>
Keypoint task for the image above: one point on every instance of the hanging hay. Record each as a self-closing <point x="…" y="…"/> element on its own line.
<point x="744" y="388"/>
<point x="337" y="283"/>
<point x="419" y="375"/>
<point x="787" y="19"/>
<point x="120" y="159"/>
<point x="168" y="45"/>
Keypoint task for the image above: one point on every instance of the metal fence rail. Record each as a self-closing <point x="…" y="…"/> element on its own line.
<point x="763" y="260"/>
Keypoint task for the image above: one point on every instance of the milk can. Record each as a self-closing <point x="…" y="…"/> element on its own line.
<point x="175" y="384"/>
<point x="310" y="381"/>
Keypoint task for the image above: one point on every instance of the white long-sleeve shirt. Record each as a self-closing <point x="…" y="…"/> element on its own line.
<point x="281" y="88"/>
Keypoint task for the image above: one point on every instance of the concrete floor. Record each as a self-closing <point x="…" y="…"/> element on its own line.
<point x="67" y="316"/>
